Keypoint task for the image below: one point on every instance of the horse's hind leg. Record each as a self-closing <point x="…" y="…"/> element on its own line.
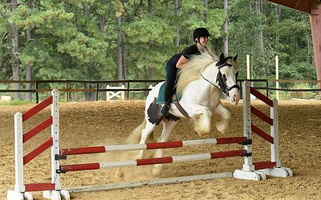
<point x="167" y="129"/>
<point x="222" y="118"/>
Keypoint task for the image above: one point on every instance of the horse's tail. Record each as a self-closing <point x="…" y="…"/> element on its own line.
<point x="134" y="137"/>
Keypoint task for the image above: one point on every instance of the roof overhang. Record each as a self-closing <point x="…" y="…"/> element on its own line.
<point x="301" y="5"/>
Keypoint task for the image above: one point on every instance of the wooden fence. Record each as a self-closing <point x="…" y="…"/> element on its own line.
<point x="96" y="90"/>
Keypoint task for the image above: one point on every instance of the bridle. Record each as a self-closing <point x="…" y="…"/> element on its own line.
<point x="221" y="79"/>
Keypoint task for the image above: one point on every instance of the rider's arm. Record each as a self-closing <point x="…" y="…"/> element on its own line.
<point x="186" y="54"/>
<point x="181" y="61"/>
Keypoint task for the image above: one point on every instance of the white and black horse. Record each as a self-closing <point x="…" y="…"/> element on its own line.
<point x="200" y="84"/>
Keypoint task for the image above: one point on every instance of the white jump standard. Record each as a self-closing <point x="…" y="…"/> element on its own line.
<point x="55" y="191"/>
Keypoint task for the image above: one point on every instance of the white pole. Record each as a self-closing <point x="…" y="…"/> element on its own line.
<point x="248" y="70"/>
<point x="18" y="132"/>
<point x="277" y="76"/>
<point x="247" y="121"/>
<point x="275" y="133"/>
<point x="122" y="97"/>
<point x="55" y="177"/>
<point x="107" y="93"/>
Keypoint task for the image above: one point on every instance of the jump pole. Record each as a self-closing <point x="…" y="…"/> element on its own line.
<point x="149" y="146"/>
<point x="172" y="180"/>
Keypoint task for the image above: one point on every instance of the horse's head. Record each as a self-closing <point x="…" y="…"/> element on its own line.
<point x="227" y="77"/>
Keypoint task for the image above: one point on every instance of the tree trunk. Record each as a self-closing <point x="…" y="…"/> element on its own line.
<point x="277" y="16"/>
<point x="206" y="6"/>
<point x="102" y="30"/>
<point x="91" y="96"/>
<point x="29" y="66"/>
<point x="15" y="60"/>
<point x="150" y="70"/>
<point x="123" y="57"/>
<point x="120" y="50"/>
<point x="225" y="39"/>
<point x="261" y="40"/>
<point x="177" y="39"/>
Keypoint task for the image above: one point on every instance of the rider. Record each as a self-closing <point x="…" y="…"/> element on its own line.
<point x="200" y="38"/>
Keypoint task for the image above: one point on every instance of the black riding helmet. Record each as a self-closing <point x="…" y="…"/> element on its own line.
<point x="200" y="32"/>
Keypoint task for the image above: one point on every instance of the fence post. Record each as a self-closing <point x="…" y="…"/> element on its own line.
<point x="248" y="160"/>
<point x="127" y="92"/>
<point x="55" y="177"/>
<point x="275" y="133"/>
<point x="97" y="89"/>
<point x="18" y="132"/>
<point x="37" y="93"/>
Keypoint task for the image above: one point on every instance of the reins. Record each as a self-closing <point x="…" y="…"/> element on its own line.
<point x="221" y="86"/>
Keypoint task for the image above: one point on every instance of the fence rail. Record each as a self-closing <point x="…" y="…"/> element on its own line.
<point x="97" y="89"/>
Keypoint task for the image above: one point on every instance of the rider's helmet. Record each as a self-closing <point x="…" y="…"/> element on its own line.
<point x="200" y="32"/>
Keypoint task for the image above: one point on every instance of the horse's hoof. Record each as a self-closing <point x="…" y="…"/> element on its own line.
<point x="222" y="127"/>
<point x="202" y="133"/>
<point x="119" y="172"/>
<point x="156" y="173"/>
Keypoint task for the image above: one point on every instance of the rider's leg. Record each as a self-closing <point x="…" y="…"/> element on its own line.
<point x="170" y="84"/>
<point x="168" y="93"/>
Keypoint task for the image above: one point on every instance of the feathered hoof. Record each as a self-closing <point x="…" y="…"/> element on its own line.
<point x="222" y="127"/>
<point x="203" y="133"/>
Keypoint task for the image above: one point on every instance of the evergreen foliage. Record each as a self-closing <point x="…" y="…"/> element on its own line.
<point x="77" y="39"/>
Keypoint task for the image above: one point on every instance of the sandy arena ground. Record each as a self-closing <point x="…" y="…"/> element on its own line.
<point x="102" y="123"/>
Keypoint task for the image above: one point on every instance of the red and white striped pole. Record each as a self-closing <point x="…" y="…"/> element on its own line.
<point x="152" y="161"/>
<point x="147" y="146"/>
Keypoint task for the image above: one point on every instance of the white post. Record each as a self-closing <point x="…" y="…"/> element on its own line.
<point x="107" y="93"/>
<point x="55" y="136"/>
<point x="248" y="69"/>
<point x="277" y="171"/>
<point x="248" y="172"/>
<point x="275" y="134"/>
<point x="55" y="163"/>
<point x="248" y="161"/>
<point x="122" y="93"/>
<point x="18" y="132"/>
<point x="277" y="76"/>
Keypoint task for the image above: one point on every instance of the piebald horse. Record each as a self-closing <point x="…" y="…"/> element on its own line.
<point x="200" y="83"/>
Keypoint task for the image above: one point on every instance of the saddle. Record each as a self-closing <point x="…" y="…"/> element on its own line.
<point x="153" y="110"/>
<point x="160" y="99"/>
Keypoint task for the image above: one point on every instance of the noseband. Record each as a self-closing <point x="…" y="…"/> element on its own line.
<point x="221" y="79"/>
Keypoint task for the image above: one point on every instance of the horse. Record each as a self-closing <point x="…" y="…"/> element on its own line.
<point x="201" y="82"/>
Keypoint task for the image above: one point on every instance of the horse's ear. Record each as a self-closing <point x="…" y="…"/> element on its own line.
<point x="222" y="57"/>
<point x="235" y="57"/>
<point x="221" y="61"/>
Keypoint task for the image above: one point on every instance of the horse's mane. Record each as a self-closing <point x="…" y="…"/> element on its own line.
<point x="192" y="70"/>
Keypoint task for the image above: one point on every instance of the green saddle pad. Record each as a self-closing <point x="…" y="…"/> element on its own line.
<point x="160" y="99"/>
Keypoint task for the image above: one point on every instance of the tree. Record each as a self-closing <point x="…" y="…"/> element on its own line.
<point x="133" y="39"/>
<point x="15" y="53"/>
<point x="225" y="30"/>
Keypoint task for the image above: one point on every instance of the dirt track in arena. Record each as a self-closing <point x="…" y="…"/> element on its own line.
<point x="101" y="123"/>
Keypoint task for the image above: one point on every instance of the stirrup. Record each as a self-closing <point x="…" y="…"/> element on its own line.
<point x="164" y="110"/>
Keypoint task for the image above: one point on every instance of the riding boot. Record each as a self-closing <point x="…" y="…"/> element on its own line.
<point x="168" y="93"/>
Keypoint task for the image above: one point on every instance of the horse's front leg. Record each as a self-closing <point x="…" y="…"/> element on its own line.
<point x="222" y="118"/>
<point x="201" y="117"/>
<point x="167" y="129"/>
<point x="146" y="132"/>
